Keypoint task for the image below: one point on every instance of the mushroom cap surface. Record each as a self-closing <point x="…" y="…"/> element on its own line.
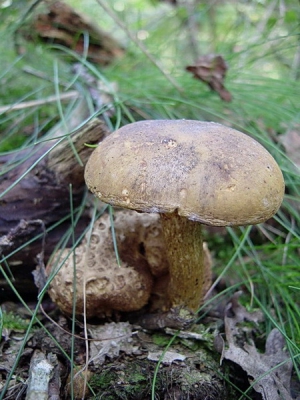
<point x="205" y="171"/>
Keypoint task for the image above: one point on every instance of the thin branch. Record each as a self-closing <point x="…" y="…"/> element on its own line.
<point x="72" y="94"/>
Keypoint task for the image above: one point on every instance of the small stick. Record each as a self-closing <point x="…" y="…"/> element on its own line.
<point x="40" y="373"/>
<point x="72" y="94"/>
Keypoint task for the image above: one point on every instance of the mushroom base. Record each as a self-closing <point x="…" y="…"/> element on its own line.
<point x="184" y="246"/>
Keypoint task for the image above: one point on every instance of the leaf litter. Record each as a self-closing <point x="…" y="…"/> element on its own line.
<point x="269" y="373"/>
<point x="116" y="344"/>
<point x="211" y="69"/>
<point x="111" y="339"/>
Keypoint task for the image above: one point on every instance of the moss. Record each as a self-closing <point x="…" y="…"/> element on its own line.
<point x="131" y="382"/>
<point x="161" y="339"/>
<point x="102" y="381"/>
<point x="132" y="379"/>
<point x="12" y="322"/>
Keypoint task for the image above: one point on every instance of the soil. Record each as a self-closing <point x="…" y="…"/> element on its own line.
<point x="130" y="369"/>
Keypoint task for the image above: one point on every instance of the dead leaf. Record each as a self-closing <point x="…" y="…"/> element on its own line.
<point x="112" y="338"/>
<point x="268" y="373"/>
<point x="167" y="357"/>
<point x="211" y="69"/>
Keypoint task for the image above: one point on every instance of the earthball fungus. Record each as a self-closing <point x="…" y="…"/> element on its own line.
<point x="102" y="286"/>
<point x="191" y="173"/>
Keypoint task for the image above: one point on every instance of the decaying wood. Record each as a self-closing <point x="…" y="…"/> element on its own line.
<point x="35" y="195"/>
<point x="40" y="373"/>
<point x="58" y="23"/>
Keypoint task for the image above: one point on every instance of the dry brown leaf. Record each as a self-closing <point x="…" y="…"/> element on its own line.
<point x="211" y="69"/>
<point x="112" y="338"/>
<point x="168" y="357"/>
<point x="268" y="373"/>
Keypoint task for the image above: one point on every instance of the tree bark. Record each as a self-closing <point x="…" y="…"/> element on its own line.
<point x="57" y="23"/>
<point x="35" y="192"/>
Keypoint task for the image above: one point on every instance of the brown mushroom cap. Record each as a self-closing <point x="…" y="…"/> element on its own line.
<point x="205" y="171"/>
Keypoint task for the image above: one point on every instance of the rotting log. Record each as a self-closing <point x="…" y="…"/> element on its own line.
<point x="35" y="188"/>
<point x="56" y="23"/>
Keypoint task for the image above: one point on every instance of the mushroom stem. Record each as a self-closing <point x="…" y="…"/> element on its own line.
<point x="184" y="245"/>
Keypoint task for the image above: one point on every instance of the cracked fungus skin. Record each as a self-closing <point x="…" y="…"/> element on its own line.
<point x="203" y="170"/>
<point x="106" y="286"/>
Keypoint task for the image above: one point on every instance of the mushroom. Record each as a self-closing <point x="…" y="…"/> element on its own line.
<point x="139" y="280"/>
<point x="191" y="173"/>
<point x="106" y="286"/>
<point x="140" y="239"/>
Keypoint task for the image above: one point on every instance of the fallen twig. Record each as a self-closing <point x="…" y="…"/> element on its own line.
<point x="72" y="94"/>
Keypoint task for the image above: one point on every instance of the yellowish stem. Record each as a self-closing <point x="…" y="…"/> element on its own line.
<point x="184" y="244"/>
